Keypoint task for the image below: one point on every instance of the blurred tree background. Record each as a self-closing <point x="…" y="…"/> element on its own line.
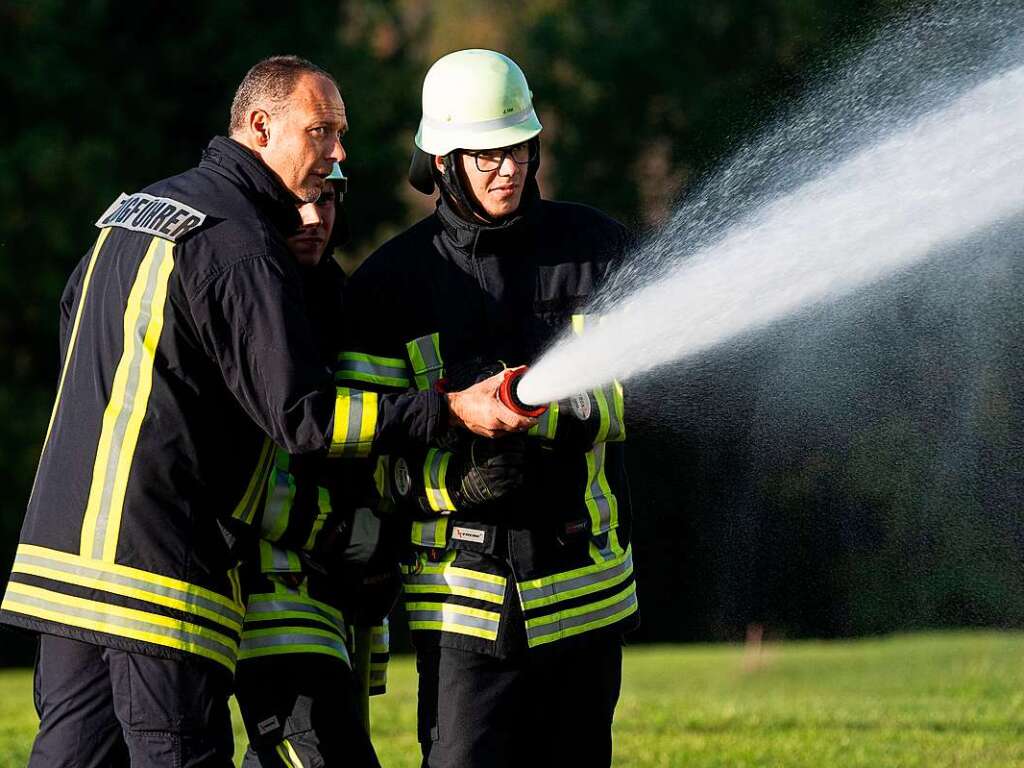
<point x="852" y="481"/>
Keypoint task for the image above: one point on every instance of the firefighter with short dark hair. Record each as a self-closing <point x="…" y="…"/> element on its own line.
<point x="186" y="355"/>
<point x="519" y="583"/>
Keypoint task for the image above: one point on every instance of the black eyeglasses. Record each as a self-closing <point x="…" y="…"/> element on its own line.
<point x="491" y="159"/>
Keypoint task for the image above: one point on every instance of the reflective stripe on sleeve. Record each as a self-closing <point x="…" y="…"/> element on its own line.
<point x="280" y="495"/>
<point x="425" y="357"/>
<point x="547" y="423"/>
<point x="355" y="423"/>
<point x="274" y="559"/>
<point x="372" y="369"/>
<point x="250" y="502"/>
<point x="430" y="533"/>
<point x="323" y="504"/>
<point x="289" y="757"/>
<point x="435" y="467"/>
<point x="599" y="499"/>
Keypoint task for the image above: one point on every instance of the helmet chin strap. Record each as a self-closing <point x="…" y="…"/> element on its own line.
<point x="455" y="190"/>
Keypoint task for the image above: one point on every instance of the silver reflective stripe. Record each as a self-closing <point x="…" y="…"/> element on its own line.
<point x="425" y="533"/>
<point x="451" y="580"/>
<point x="246" y="509"/>
<point x="162" y="252"/>
<point x="586" y="580"/>
<point x="431" y="360"/>
<point x="436" y="483"/>
<point x="554" y="624"/>
<point x="547" y="423"/>
<point x="290" y="637"/>
<point x="597" y="494"/>
<point x="355" y="419"/>
<point x="225" y="649"/>
<point x="275" y="559"/>
<point x="279" y="506"/>
<point x="257" y="607"/>
<point x="458" y="619"/>
<point x="371" y="369"/>
<point x="614" y="423"/>
<point x="232" y="616"/>
<point x="479" y="125"/>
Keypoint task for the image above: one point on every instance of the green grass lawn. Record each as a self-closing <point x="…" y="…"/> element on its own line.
<point x="929" y="700"/>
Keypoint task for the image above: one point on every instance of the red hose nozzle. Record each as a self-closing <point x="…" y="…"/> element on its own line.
<point x="509" y="398"/>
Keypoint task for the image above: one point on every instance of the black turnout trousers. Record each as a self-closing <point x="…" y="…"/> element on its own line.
<point x="301" y="708"/>
<point x="552" y="706"/>
<point x="104" y="708"/>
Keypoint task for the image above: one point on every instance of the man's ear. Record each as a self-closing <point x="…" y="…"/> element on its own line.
<point x="439" y="163"/>
<point x="259" y="127"/>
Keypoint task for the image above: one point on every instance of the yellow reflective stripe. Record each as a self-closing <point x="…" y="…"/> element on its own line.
<point x="599" y="499"/>
<point x="275" y="559"/>
<point x="280" y="495"/>
<point x="572" y="575"/>
<point x="605" y="419"/>
<point x="323" y="504"/>
<point x="372" y="369"/>
<point x="104" y="233"/>
<point x="382" y="477"/>
<point x="576" y="621"/>
<point x="435" y="467"/>
<point x="380" y="638"/>
<point x="274" y="641"/>
<point x="98" y="582"/>
<point x="117" y="570"/>
<point x="451" y="570"/>
<point x="430" y="533"/>
<point x="246" y="509"/>
<point x="617" y="431"/>
<point x="355" y="422"/>
<point x="236" y="585"/>
<point x="547" y="423"/>
<point x="287" y="754"/>
<point x="119" y="621"/>
<point x="579" y="323"/>
<point x="450" y="617"/>
<point x="449" y="580"/>
<point x="542" y="592"/>
<point x="129" y="400"/>
<point x="449" y="589"/>
<point x="292" y="604"/>
<point x="425" y="357"/>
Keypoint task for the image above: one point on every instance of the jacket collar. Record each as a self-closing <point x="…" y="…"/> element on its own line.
<point x="244" y="168"/>
<point x="477" y="238"/>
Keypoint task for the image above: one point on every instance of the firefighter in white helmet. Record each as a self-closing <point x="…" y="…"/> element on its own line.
<point x="518" y="586"/>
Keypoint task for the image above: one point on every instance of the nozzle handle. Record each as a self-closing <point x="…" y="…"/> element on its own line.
<point x="509" y="398"/>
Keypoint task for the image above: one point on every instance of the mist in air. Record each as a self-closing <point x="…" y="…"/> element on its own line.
<point x="908" y="147"/>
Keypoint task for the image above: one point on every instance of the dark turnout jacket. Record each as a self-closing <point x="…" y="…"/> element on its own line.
<point x="186" y="353"/>
<point x="441" y="304"/>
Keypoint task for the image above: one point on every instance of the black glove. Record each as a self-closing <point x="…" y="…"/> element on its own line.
<point x="486" y="471"/>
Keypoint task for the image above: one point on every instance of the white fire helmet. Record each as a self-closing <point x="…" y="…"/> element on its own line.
<point x="475" y="99"/>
